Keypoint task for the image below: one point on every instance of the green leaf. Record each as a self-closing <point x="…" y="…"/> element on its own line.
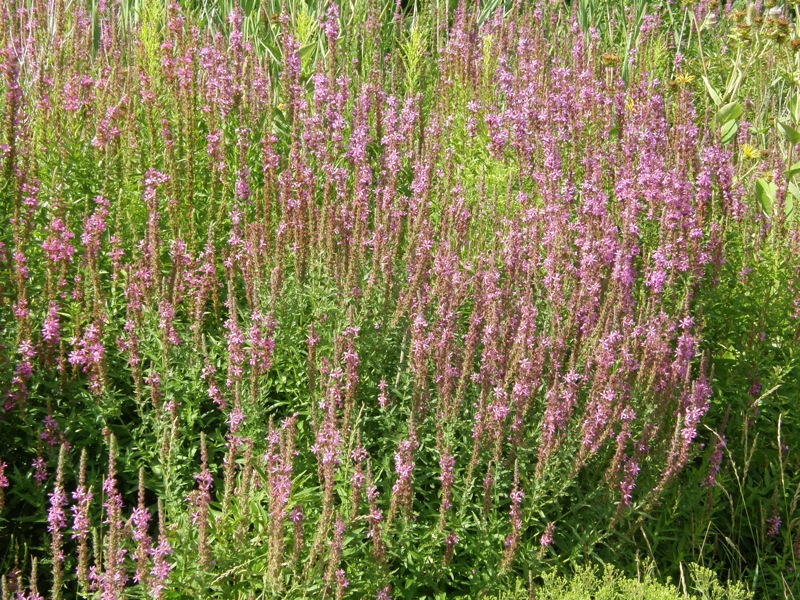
<point x="712" y="92"/>
<point x="729" y="131"/>
<point x="765" y="194"/>
<point x="789" y="133"/>
<point x="795" y="107"/>
<point x="793" y="170"/>
<point x="729" y="112"/>
<point x="734" y="79"/>
<point x="307" y="51"/>
<point x="792" y="198"/>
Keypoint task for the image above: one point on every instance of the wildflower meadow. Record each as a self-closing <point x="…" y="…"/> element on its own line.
<point x="399" y="299"/>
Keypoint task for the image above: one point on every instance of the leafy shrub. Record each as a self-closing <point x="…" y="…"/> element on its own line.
<point x="585" y="584"/>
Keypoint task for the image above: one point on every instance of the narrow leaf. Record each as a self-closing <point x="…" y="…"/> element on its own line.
<point x="712" y="92"/>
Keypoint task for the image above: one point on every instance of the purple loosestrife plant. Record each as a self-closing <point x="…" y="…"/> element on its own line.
<point x="109" y="578"/>
<point x="547" y="537"/>
<point x="335" y="575"/>
<point x="82" y="498"/>
<point x="489" y="223"/>
<point x="515" y="516"/>
<point x="199" y="499"/>
<point x="402" y="490"/>
<point x="3" y="483"/>
<point x="56" y="523"/>
<point x="39" y="470"/>
<point x="446" y="464"/>
<point x="159" y="574"/>
<point x="140" y="520"/>
<point x="374" y="518"/>
<point x="278" y="461"/>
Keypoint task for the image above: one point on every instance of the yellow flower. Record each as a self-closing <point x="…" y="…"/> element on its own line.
<point x="683" y="79"/>
<point x="751" y="152"/>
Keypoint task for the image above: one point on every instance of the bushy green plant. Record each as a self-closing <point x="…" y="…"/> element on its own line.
<point x="586" y="584"/>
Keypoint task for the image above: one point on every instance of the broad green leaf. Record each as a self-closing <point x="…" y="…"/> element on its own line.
<point x="793" y="170"/>
<point x="765" y="194"/>
<point x="729" y="112"/>
<point x="307" y="51"/>
<point x="789" y="133"/>
<point x="729" y="131"/>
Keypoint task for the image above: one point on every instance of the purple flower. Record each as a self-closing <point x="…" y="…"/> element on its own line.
<point x="297" y="515"/>
<point x="51" y="433"/>
<point x="236" y="353"/>
<point x="39" y="470"/>
<point x="161" y="567"/>
<point x="450" y="543"/>
<point x="547" y="537"/>
<point x="140" y="520"/>
<point x="628" y="481"/>
<point x="383" y="399"/>
<point x="111" y="580"/>
<point x="57" y="247"/>
<point x="330" y="25"/>
<point x="446" y="464"/>
<point x="95" y="226"/>
<point x="715" y="462"/>
<point x="50" y="327"/>
<point x="56" y="517"/>
<point x="384" y="594"/>
<point x="774" y="523"/>
<point x="57" y="522"/>
<point x="166" y="316"/>
<point x="515" y="518"/>
<point x="89" y="353"/>
<point x="402" y="491"/>
<point x="82" y="497"/>
<point x="262" y="342"/>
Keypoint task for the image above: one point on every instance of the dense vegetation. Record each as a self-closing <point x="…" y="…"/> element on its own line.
<point x="380" y="299"/>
